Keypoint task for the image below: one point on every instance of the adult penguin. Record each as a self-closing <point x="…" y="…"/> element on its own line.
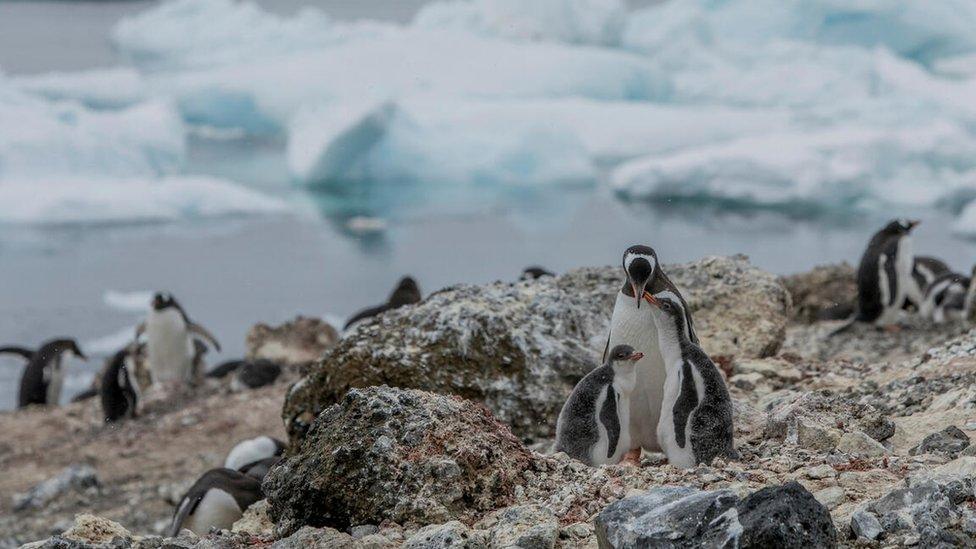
<point x="633" y="325"/>
<point x="44" y="375"/>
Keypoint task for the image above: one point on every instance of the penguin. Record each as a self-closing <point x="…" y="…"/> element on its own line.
<point x="224" y="369"/>
<point x="260" y="469"/>
<point x="169" y="334"/>
<point x="534" y="272"/>
<point x="44" y="375"/>
<point x="696" y="414"/>
<point x="631" y="324"/>
<point x="252" y="450"/>
<point x="255" y="374"/>
<point x="970" y="300"/>
<point x="407" y="292"/>
<point x="593" y="424"/>
<point x="119" y="388"/>
<point x="217" y="499"/>
<point x="945" y="298"/>
<point x="924" y="271"/>
<point x="884" y="276"/>
<point x="198" y="363"/>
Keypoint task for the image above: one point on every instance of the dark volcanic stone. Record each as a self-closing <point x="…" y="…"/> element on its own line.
<point x="950" y="440"/>
<point x="785" y="516"/>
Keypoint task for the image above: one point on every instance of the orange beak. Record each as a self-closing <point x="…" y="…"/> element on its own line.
<point x="648" y="297"/>
<point x="635" y="357"/>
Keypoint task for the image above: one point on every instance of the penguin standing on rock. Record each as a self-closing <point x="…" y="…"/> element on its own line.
<point x="632" y="324"/>
<point x="44" y="375"/>
<point x="119" y="388"/>
<point x="407" y="292"/>
<point x="885" y="276"/>
<point x="169" y="337"/>
<point x="217" y="499"/>
<point x="593" y="424"/>
<point x="696" y="415"/>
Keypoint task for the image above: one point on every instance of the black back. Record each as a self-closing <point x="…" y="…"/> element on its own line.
<point x="534" y="272"/>
<point x="119" y="397"/>
<point x="244" y="489"/>
<point x="260" y="469"/>
<point x="33" y="385"/>
<point x="258" y="373"/>
<point x="407" y="292"/>
<point x="224" y="369"/>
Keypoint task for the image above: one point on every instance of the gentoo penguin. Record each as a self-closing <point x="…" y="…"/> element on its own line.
<point x="44" y="375"/>
<point x="119" y="388"/>
<point x="945" y="298"/>
<point x="632" y="324"/>
<point x="217" y="499"/>
<point x="534" y="272"/>
<point x="406" y="293"/>
<point x="925" y="270"/>
<point x="593" y="424"/>
<point x="253" y="450"/>
<point x="224" y="369"/>
<point x="696" y="415"/>
<point x="969" y="303"/>
<point x="169" y="335"/>
<point x="254" y="374"/>
<point x="884" y="276"/>
<point x="260" y="469"/>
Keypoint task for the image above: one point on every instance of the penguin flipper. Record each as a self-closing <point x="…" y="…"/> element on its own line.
<point x="185" y="509"/>
<point x="843" y="328"/>
<point x="22" y="351"/>
<point x="366" y="313"/>
<point x="203" y="333"/>
<point x="606" y="350"/>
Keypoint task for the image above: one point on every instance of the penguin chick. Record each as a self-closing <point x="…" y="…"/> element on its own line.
<point x="407" y="292"/>
<point x="42" y="379"/>
<point x="593" y="425"/>
<point x="252" y="450"/>
<point x="696" y="414"/>
<point x="255" y="374"/>
<point x="119" y="389"/>
<point x="170" y="334"/>
<point x="217" y="499"/>
<point x="260" y="469"/>
<point x="945" y="298"/>
<point x="925" y="270"/>
<point x="534" y="272"/>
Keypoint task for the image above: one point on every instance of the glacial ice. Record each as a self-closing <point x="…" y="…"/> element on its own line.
<point x="118" y="200"/>
<point x="99" y="89"/>
<point x="129" y="302"/>
<point x="597" y="22"/>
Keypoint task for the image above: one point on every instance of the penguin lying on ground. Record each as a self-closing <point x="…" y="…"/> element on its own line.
<point x="169" y="338"/>
<point x="945" y="298"/>
<point x="634" y="325"/>
<point x="885" y="276"/>
<point x="253" y="450"/>
<point x="259" y="469"/>
<point x="534" y="272"/>
<point x="406" y="293"/>
<point x="44" y="375"/>
<point x="593" y="424"/>
<point x="119" y="388"/>
<point x="696" y="415"/>
<point x="217" y="499"/>
<point x="248" y="374"/>
<point x="924" y="272"/>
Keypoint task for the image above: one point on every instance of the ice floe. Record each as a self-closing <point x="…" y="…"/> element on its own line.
<point x="99" y="89"/>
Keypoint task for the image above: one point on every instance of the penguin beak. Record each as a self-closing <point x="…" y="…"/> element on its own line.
<point x="635" y="357"/>
<point x="913" y="223"/>
<point x="638" y="294"/>
<point x="650" y="299"/>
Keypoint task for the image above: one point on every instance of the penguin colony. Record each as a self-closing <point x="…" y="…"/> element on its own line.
<point x="657" y="389"/>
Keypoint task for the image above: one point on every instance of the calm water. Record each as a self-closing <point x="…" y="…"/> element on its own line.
<point x="230" y="274"/>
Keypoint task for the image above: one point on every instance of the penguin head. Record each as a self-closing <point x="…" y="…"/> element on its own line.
<point x="901" y="226"/>
<point x="163" y="300"/>
<point x="406" y="292"/>
<point x="67" y="346"/>
<point x="667" y="302"/>
<point x="624" y="352"/>
<point x="534" y="272"/>
<point x="640" y="264"/>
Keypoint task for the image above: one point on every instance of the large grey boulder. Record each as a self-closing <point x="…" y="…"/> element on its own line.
<point x="521" y="347"/>
<point x="823" y="293"/>
<point x="406" y="456"/>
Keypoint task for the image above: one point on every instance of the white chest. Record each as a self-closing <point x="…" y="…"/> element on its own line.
<point x="634" y="326"/>
<point x="168" y="346"/>
<point x="217" y="509"/>
<point x="54" y="375"/>
<point x="682" y="456"/>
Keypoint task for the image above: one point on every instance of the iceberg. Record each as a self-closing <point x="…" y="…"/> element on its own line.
<point x="50" y="139"/>
<point x="596" y="22"/>
<point x="39" y="201"/>
<point x="839" y="167"/>
<point x="113" y="88"/>
<point x="348" y="140"/>
<point x="965" y="223"/>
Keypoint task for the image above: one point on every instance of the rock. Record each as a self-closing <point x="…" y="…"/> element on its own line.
<point x="831" y="497"/>
<point x="73" y="477"/>
<point x="669" y="516"/>
<point x="803" y="420"/>
<point x="452" y="535"/>
<point x="826" y="291"/>
<point x="785" y="516"/>
<point x="519" y="348"/>
<point x="523" y="526"/>
<point x="255" y="520"/>
<point x="821" y="472"/>
<point x="295" y="343"/>
<point x="746" y="381"/>
<point x="877" y="426"/>
<point x="91" y="529"/>
<point x="319" y="538"/>
<point x="400" y="455"/>
<point x="859" y="444"/>
<point x="949" y="441"/>
<point x="363" y="530"/>
<point x="865" y="525"/>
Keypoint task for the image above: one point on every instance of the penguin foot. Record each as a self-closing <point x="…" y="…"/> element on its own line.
<point x="632" y="458"/>
<point x="893" y="328"/>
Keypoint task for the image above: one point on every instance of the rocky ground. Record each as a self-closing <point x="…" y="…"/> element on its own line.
<point x="430" y="426"/>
